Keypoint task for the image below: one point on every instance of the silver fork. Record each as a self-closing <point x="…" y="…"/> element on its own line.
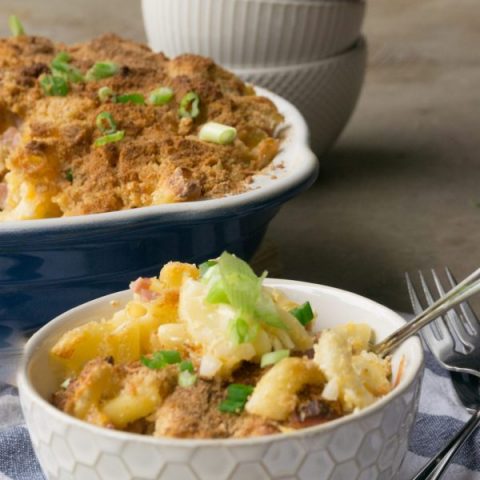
<point x="465" y="289"/>
<point x="454" y="341"/>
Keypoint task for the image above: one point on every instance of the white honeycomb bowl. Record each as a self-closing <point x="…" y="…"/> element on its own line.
<point x="253" y="33"/>
<point x="325" y="92"/>
<point x="365" y="446"/>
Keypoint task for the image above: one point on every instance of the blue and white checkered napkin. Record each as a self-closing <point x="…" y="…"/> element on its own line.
<point x="440" y="415"/>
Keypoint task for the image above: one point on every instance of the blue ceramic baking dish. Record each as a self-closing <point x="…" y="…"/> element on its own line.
<point x="48" y="266"/>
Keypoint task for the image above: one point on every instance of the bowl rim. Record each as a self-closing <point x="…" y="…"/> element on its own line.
<point x="359" y="47"/>
<point x="35" y="342"/>
<point x="310" y="3"/>
<point x="296" y="142"/>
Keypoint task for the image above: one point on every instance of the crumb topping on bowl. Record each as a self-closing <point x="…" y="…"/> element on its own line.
<point x="210" y="352"/>
<point x="109" y="125"/>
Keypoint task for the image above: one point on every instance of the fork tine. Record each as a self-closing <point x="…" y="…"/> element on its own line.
<point x="455" y="322"/>
<point x="414" y="300"/>
<point x="439" y="322"/>
<point x="427" y="332"/>
<point x="468" y="314"/>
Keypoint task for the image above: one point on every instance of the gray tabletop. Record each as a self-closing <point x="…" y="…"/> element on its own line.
<point x="400" y="189"/>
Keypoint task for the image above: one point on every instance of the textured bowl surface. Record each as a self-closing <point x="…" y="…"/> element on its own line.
<point x="50" y="265"/>
<point x="325" y="92"/>
<point x="253" y="33"/>
<point x="366" y="446"/>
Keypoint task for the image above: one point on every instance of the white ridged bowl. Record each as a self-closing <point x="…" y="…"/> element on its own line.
<point x="325" y="92"/>
<point x="365" y="446"/>
<point x="253" y="33"/>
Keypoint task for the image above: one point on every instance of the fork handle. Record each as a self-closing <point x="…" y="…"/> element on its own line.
<point x="435" y="468"/>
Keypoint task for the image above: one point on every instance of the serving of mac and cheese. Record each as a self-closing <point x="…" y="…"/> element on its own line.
<point x="211" y="352"/>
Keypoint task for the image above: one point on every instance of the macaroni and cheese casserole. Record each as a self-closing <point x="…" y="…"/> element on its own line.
<point x="109" y="125"/>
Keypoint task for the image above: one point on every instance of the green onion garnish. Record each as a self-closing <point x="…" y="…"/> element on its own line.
<point x="102" y="70"/>
<point x="16" y="26"/>
<point x="136" y="98"/>
<point x="233" y="282"/>
<point x="69" y="175"/>
<point x="217" y="133"/>
<point x="61" y="67"/>
<point x="53" y="85"/>
<point x="273" y="357"/>
<point x="160" y="96"/>
<point x="112" y="137"/>
<point x="217" y="294"/>
<point x="189" y="106"/>
<point x="104" y="93"/>
<point x="186" y="366"/>
<point x="161" y="359"/>
<point x="203" y="267"/>
<point x="240" y="330"/>
<point x="64" y="385"/>
<point x="186" y="379"/>
<point x="105" y="123"/>
<point x="237" y="396"/>
<point x="62" y="57"/>
<point x="303" y="313"/>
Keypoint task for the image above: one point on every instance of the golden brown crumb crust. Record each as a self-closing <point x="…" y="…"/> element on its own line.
<point x="160" y="159"/>
<point x="190" y="412"/>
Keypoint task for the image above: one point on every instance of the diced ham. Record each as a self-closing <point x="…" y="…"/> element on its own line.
<point x="141" y="286"/>
<point x="10" y="138"/>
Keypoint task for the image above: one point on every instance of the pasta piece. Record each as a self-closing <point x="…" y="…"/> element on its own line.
<point x="171" y="336"/>
<point x="334" y="357"/>
<point x="374" y="371"/>
<point x="123" y="341"/>
<point x="96" y="381"/>
<point x="296" y="331"/>
<point x="79" y="345"/>
<point x="173" y="274"/>
<point x="142" y="393"/>
<point x="358" y="335"/>
<point x="275" y="395"/>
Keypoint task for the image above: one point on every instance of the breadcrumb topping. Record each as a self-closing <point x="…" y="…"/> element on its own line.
<point x="50" y="166"/>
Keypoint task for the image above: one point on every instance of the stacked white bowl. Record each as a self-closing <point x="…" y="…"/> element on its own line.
<point x="309" y="51"/>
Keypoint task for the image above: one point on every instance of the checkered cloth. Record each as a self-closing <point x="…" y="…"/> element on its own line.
<point x="440" y="415"/>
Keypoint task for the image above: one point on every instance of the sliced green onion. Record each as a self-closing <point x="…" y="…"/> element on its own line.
<point x="63" y="57"/>
<point x="61" y="67"/>
<point x="105" y="123"/>
<point x="69" y="175"/>
<point x="186" y="379"/>
<point x="240" y="330"/>
<point x="233" y="282"/>
<point x="303" y="313"/>
<point x="217" y="294"/>
<point x="112" y="137"/>
<point x="104" y="93"/>
<point x="66" y="383"/>
<point x="160" y="96"/>
<point x="186" y="366"/>
<point x="16" y="26"/>
<point x="189" y="106"/>
<point x="53" y="85"/>
<point x="267" y="312"/>
<point x="161" y="359"/>
<point x="217" y="133"/>
<point x="273" y="357"/>
<point x="102" y="70"/>
<point x="203" y="267"/>
<point x="136" y="98"/>
<point x="237" y="396"/>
